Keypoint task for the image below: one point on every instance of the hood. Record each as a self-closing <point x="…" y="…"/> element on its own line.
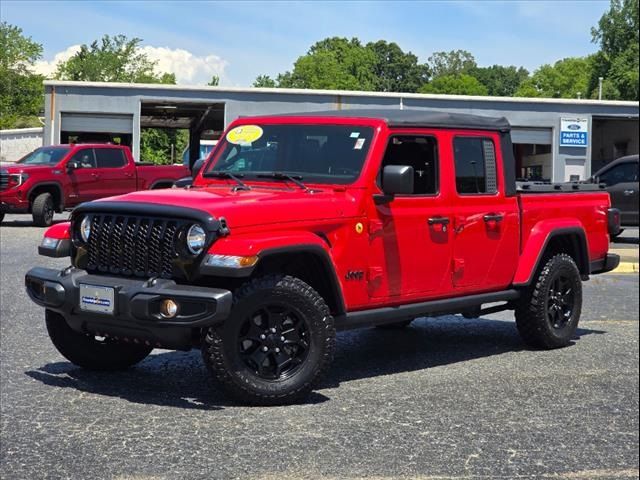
<point x="259" y="206"/>
<point x="19" y="168"/>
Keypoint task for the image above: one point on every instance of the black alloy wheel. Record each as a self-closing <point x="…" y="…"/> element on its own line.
<point x="560" y="301"/>
<point x="273" y="342"/>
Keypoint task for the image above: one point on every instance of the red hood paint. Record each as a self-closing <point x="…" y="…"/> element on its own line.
<point x="259" y="206"/>
<point x="19" y="168"/>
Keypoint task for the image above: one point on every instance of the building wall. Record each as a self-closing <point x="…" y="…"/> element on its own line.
<point x="15" y="144"/>
<point x="538" y="113"/>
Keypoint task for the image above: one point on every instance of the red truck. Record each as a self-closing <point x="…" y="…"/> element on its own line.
<point x="52" y="179"/>
<point x="300" y="225"/>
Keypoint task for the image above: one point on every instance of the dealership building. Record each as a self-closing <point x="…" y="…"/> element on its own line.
<point x="554" y="139"/>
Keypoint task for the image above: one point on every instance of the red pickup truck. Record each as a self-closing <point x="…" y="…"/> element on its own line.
<point x="301" y="225"/>
<point x="52" y="179"/>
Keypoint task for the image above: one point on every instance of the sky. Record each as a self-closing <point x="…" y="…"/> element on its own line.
<point x="240" y="40"/>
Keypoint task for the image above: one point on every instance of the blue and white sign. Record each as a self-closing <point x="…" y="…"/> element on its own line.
<point x="574" y="132"/>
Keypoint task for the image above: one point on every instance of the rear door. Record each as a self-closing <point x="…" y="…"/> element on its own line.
<point x="622" y="185"/>
<point x="486" y="232"/>
<point x="115" y="174"/>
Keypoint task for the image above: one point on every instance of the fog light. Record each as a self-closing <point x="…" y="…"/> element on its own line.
<point x="168" y="308"/>
<point x="48" y="242"/>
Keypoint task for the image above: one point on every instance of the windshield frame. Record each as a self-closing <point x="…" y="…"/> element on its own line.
<point x="319" y="180"/>
<point x="64" y="148"/>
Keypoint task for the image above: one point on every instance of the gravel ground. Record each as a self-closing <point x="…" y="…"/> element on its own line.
<point x="445" y="398"/>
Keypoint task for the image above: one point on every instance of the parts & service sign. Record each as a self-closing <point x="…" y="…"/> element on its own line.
<point x="574" y="132"/>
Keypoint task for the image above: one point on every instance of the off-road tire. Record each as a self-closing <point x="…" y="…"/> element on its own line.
<point x="42" y="210"/>
<point x="395" y="325"/>
<point x="87" y="352"/>
<point x="220" y="348"/>
<point x="531" y="313"/>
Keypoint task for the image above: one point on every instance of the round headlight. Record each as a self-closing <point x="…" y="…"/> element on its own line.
<point x="196" y="239"/>
<point x="85" y="229"/>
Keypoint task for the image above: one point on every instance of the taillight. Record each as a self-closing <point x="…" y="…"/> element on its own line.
<point x="613" y="221"/>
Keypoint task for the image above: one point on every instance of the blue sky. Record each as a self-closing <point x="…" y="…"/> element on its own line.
<point x="242" y="39"/>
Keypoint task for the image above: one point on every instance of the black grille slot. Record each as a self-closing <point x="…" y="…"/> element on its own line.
<point x="133" y="246"/>
<point x="4" y="180"/>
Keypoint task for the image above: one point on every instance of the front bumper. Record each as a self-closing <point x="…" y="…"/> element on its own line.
<point x="19" y="207"/>
<point x="136" y="315"/>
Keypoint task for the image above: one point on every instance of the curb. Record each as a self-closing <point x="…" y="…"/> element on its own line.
<point x="626" y="267"/>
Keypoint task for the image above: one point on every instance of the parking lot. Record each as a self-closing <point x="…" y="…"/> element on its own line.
<point x="445" y="398"/>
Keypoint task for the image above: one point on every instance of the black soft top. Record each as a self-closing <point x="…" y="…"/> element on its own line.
<point x="417" y="118"/>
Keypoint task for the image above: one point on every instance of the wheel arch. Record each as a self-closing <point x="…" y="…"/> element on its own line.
<point x="54" y="188"/>
<point x="570" y="240"/>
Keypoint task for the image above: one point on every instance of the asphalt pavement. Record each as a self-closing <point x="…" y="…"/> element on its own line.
<point x="444" y="398"/>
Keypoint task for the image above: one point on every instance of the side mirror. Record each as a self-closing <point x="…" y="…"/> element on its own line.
<point x="197" y="166"/>
<point x="71" y="166"/>
<point x="397" y="179"/>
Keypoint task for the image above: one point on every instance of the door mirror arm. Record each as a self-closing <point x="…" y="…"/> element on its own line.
<point x="71" y="166"/>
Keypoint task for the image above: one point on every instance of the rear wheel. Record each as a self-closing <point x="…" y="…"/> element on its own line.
<point x="42" y="210"/>
<point x="275" y="346"/>
<point x="547" y="314"/>
<point x="90" y="352"/>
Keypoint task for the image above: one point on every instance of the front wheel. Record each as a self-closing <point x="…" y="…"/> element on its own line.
<point x="547" y="314"/>
<point x="42" y="210"/>
<point x="89" y="352"/>
<point x="275" y="346"/>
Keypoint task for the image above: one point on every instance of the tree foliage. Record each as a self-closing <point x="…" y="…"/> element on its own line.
<point x="455" y="62"/>
<point x="112" y="59"/>
<point x="214" y="82"/>
<point x="500" y="81"/>
<point x="396" y="70"/>
<point x="21" y="91"/>
<point x="567" y="78"/>
<point x="264" y="81"/>
<point x="461" y="84"/>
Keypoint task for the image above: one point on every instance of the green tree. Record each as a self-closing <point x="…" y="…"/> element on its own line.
<point x="264" y="81"/>
<point x="455" y="62"/>
<point x="395" y="70"/>
<point x="567" y="78"/>
<point x="500" y="81"/>
<point x="333" y="63"/>
<point x="617" y="61"/>
<point x="21" y="91"/>
<point x="214" y="82"/>
<point x="461" y="84"/>
<point x="112" y="59"/>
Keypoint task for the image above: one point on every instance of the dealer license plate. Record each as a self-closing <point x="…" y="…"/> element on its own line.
<point x="94" y="298"/>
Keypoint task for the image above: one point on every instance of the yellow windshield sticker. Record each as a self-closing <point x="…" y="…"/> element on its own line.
<point x="244" y="134"/>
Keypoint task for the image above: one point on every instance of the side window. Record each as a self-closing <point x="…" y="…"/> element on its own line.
<point x="475" y="161"/>
<point x="84" y="158"/>
<point x="419" y="152"/>
<point x="110" y="158"/>
<point x="625" y="172"/>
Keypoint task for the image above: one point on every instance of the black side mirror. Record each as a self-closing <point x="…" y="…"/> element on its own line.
<point x="397" y="179"/>
<point x="71" y="166"/>
<point x="197" y="166"/>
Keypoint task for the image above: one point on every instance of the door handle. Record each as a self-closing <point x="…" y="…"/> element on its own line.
<point x="95" y="175"/>
<point x="438" y="221"/>
<point x="629" y="192"/>
<point x="493" y="217"/>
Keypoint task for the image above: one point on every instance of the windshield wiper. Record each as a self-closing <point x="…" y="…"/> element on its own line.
<point x="223" y="174"/>
<point x="285" y="176"/>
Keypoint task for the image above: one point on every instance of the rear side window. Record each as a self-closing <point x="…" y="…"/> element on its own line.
<point x="623" y="173"/>
<point x="110" y="158"/>
<point x="475" y="161"/>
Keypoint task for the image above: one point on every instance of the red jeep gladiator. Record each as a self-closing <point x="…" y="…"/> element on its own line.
<point x="52" y="179"/>
<point x="300" y="225"/>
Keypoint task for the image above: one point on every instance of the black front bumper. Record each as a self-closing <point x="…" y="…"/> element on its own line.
<point x="136" y="315"/>
<point x="11" y="208"/>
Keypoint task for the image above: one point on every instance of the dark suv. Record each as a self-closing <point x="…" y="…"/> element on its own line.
<point x="621" y="179"/>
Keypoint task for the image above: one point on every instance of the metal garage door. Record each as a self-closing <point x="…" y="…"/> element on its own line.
<point x="97" y="122"/>
<point x="537" y="136"/>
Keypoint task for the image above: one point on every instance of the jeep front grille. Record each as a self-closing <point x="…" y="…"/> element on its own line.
<point x="133" y="246"/>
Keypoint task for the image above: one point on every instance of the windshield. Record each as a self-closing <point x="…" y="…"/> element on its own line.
<point x="44" y="156"/>
<point x="312" y="153"/>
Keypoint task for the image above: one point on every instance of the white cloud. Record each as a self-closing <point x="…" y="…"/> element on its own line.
<point x="48" y="68"/>
<point x="189" y="69"/>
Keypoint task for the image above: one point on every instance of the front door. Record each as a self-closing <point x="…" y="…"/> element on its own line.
<point x="486" y="223"/>
<point x="410" y="235"/>
<point x="83" y="178"/>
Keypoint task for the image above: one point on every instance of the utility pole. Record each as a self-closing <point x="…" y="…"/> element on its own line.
<point x="600" y="88"/>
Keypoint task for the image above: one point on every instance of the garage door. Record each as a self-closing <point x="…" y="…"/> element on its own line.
<point x="536" y="136"/>
<point x="97" y="122"/>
